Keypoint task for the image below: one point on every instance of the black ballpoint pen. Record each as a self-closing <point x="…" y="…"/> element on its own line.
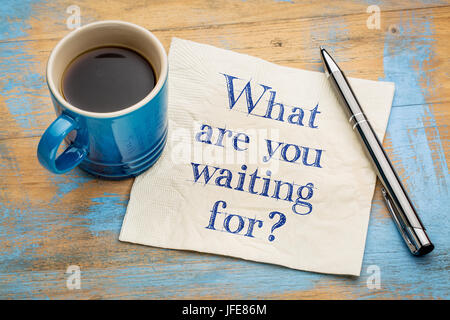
<point x="397" y="200"/>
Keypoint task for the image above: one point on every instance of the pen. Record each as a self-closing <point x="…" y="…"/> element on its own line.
<point x="397" y="201"/>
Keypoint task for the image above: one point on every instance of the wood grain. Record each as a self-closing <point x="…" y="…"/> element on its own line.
<point x="50" y="222"/>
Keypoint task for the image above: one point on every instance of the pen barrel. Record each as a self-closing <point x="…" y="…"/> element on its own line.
<point x="404" y="211"/>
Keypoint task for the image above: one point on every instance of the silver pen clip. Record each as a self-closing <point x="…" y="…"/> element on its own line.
<point x="399" y="225"/>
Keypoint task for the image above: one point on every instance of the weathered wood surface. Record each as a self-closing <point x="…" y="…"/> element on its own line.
<point x="50" y="222"/>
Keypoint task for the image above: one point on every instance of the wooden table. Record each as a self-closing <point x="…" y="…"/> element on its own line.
<point x="50" y="222"/>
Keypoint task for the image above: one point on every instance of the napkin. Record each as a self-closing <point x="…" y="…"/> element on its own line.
<point x="261" y="163"/>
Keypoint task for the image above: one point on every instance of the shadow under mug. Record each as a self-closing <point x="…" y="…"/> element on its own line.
<point x="116" y="144"/>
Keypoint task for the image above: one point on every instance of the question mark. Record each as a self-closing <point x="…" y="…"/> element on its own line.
<point x="280" y="222"/>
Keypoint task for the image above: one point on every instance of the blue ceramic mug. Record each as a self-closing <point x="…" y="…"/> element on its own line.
<point x="116" y="144"/>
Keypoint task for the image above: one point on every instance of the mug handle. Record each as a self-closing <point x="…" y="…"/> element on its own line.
<point x="52" y="139"/>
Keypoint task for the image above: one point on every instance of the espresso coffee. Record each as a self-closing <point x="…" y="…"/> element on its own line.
<point x="107" y="79"/>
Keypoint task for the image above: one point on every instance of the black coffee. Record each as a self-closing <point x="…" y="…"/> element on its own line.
<point x="107" y="79"/>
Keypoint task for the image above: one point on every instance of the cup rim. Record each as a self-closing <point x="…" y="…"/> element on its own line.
<point x="157" y="88"/>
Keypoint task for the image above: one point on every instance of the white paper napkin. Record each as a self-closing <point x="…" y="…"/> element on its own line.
<point x="261" y="164"/>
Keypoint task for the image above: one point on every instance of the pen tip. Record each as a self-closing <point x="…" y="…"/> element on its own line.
<point x="330" y="65"/>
